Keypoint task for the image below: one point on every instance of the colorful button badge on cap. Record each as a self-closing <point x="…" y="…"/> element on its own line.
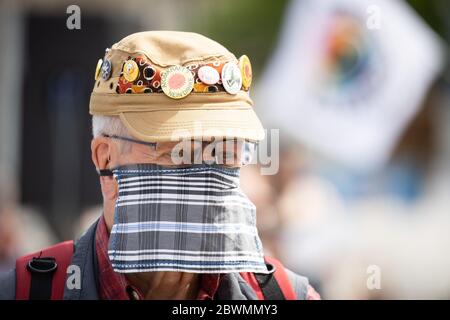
<point x="231" y="78"/>
<point x="208" y="75"/>
<point x="246" y="71"/>
<point x="106" y="69"/>
<point x="97" y="68"/>
<point x="130" y="70"/>
<point x="177" y="82"/>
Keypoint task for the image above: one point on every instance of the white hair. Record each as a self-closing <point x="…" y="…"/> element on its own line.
<point x="108" y="125"/>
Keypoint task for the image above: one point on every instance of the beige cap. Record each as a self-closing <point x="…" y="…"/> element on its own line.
<point x="151" y="80"/>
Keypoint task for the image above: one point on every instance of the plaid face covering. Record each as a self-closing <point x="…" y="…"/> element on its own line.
<point x="193" y="219"/>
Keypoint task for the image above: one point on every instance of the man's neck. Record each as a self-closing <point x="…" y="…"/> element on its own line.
<point x="108" y="214"/>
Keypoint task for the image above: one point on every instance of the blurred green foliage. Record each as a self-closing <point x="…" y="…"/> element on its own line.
<point x="248" y="27"/>
<point x="252" y="26"/>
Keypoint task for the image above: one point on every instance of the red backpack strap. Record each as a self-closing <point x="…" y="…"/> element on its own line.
<point x="42" y="275"/>
<point x="272" y="286"/>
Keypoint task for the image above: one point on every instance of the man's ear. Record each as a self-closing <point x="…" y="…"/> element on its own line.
<point x="101" y="151"/>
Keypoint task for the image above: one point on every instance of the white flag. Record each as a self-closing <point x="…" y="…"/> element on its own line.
<point x="348" y="76"/>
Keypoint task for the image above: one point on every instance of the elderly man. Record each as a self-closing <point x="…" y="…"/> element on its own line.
<point x="172" y="124"/>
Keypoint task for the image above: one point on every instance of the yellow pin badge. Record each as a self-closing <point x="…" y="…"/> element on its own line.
<point x="130" y="70"/>
<point x="177" y="82"/>
<point x="98" y="68"/>
<point x="246" y="71"/>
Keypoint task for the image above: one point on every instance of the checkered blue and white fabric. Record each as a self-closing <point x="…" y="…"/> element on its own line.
<point x="193" y="219"/>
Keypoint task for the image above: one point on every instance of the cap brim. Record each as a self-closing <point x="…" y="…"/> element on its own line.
<point x="157" y="118"/>
<point x="173" y="125"/>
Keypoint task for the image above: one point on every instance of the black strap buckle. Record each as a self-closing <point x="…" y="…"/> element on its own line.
<point x="42" y="270"/>
<point x="42" y="265"/>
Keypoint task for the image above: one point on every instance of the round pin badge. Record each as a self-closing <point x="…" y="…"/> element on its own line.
<point x="97" y="68"/>
<point x="231" y="78"/>
<point x="106" y="69"/>
<point x="246" y="71"/>
<point x="130" y="70"/>
<point x="208" y="75"/>
<point x="177" y="82"/>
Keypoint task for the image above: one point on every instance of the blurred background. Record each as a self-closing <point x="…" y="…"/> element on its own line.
<point x="359" y="91"/>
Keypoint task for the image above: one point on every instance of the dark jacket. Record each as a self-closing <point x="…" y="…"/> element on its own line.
<point x="232" y="286"/>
